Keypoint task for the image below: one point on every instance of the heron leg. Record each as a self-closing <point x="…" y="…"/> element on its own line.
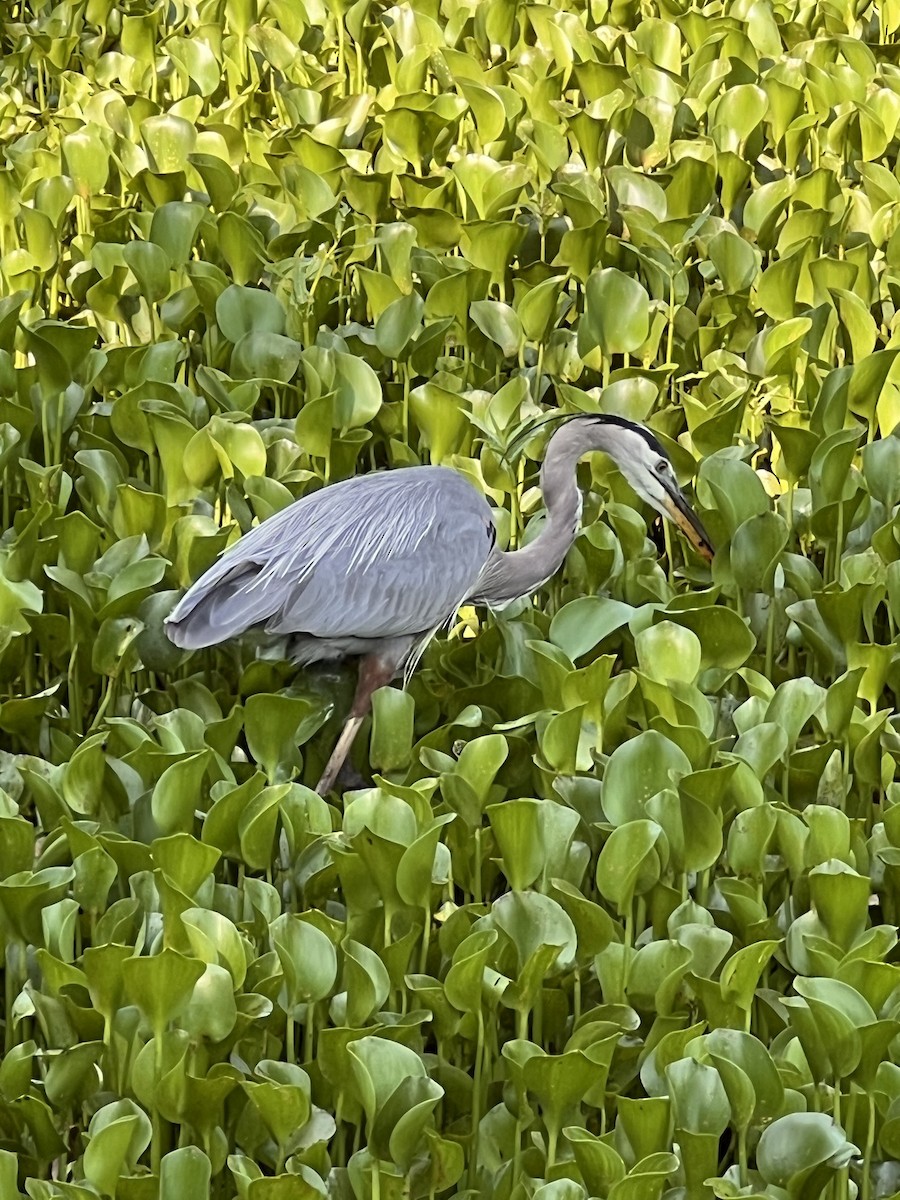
<point x="340" y="752"/>
<point x="375" y="670"/>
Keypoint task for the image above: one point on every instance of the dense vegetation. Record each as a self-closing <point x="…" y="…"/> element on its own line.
<point x="616" y="917"/>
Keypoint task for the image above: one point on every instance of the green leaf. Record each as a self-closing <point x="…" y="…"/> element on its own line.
<point x="755" y="550"/>
<point x="699" y="1100"/>
<point x="307" y="958"/>
<point x="395" y="327"/>
<point x="393" y="712"/>
<point x="119" y="1133"/>
<point x="637" y="770"/>
<point x="584" y="622"/>
<point x="243" y="310"/>
<point x="276" y="726"/>
<point x="794" y="1145"/>
<point x="616" y="316"/>
<point x="500" y="323"/>
<point x="176" y="795"/>
<point x="160" y="985"/>
<point x="629" y="863"/>
<point x="168" y="141"/>
<point x="184" y="1172"/>
<point x="668" y="652"/>
<point x="735" y="261"/>
<point x="725" y="638"/>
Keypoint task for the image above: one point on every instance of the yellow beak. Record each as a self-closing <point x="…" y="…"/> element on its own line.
<point x="682" y="515"/>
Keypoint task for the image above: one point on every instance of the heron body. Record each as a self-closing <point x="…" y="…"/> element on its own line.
<point x="387" y="555"/>
<point x="374" y="565"/>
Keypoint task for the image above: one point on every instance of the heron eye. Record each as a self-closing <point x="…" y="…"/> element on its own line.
<point x="662" y="466"/>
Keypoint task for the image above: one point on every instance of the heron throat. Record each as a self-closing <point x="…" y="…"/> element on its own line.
<point x="516" y="573"/>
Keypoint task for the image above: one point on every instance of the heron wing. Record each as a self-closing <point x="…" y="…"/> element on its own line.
<point x="378" y="555"/>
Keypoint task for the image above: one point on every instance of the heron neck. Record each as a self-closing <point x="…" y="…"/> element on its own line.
<point x="519" y="572"/>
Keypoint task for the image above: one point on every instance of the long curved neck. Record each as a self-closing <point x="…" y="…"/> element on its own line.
<point x="517" y="572"/>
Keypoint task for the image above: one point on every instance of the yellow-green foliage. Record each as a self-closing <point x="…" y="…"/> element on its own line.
<point x="616" y="917"/>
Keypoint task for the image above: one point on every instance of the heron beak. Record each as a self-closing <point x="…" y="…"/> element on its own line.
<point x="681" y="514"/>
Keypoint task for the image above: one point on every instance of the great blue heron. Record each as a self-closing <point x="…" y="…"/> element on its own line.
<point x="375" y="565"/>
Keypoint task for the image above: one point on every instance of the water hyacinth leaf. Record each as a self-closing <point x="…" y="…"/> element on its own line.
<point x="440" y="420"/>
<point x="537" y="308"/>
<point x="564" y="743"/>
<point x="500" y="323"/>
<point x="276" y="726"/>
<point x="73" y="1076"/>
<point x="755" y="550"/>
<point x="468" y="787"/>
<point x="881" y="466"/>
<point x="463" y="983"/>
<point x="367" y="982"/>
<point x="520" y="834"/>
<point x="762" y="747"/>
<point x="265" y="355"/>
<point x="186" y="861"/>
<point x="17" y="845"/>
<point x="307" y="958"/>
<point x="504" y="406"/>
<point x="282" y="1098"/>
<point x="617" y="313"/>
<point x="393" y="712"/>
<point x="243" y="310"/>
<point x="726" y="641"/>
<point x="86" y="160"/>
<point x="558" y="1082"/>
<point x="119" y="1134"/>
<point x="734" y="259"/>
<point x="174" y="228"/>
<point x="794" y="1146"/>
<point x="794" y="703"/>
<point x="150" y="266"/>
<point x="241" y="246"/>
<point x="215" y="939"/>
<point x="177" y="794"/>
<point x="600" y="1165"/>
<point x="168" y="140"/>
<point x="584" y="622"/>
<point x="699" y="1100"/>
<point x="380" y="1067"/>
<point x="25" y="895"/>
<point x="740" y="975"/>
<point x="637" y="770"/>
<point x="693" y="833"/>
<point x="418" y="869"/>
<point x="160" y="985"/>
<point x="868" y="379"/>
<point x="747" y="1053"/>
<point x="629" y="863"/>
<point x="749" y="840"/>
<point x="841" y="897"/>
<point x="396" y="326"/>
<point x="16" y="1071"/>
<point x="185" y="1172"/>
<point x="668" y="651"/>
<point x="211" y="1011"/>
<point x="735" y="490"/>
<point x="633" y="397"/>
<point x="359" y="396"/>
<point x="447" y="1161"/>
<point x="401" y="1123"/>
<point x="535" y="922"/>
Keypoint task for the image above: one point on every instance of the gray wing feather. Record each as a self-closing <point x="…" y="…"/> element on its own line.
<point x="375" y="556"/>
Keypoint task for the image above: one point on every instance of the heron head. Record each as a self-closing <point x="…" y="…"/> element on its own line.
<point x="640" y="457"/>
